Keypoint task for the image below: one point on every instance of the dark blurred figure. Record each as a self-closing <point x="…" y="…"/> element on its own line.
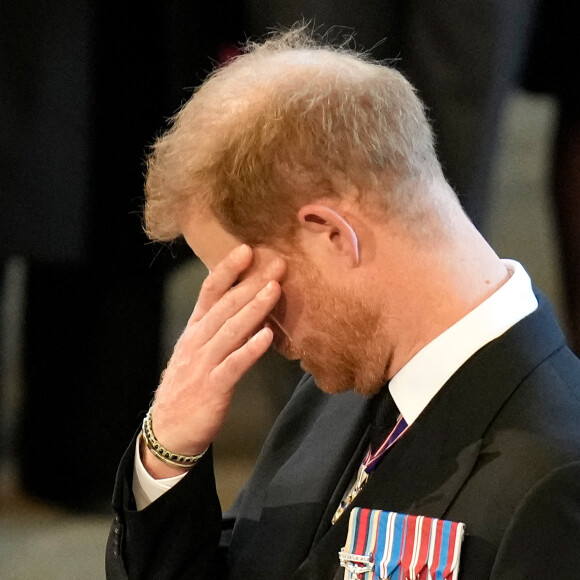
<point x="84" y="86"/>
<point x="553" y="68"/>
<point x="462" y="56"/>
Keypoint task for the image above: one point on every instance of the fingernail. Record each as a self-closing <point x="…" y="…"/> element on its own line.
<point x="242" y="251"/>
<point x="260" y="334"/>
<point x="266" y="291"/>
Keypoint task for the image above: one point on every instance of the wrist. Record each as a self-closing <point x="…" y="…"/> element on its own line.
<point x="158" y="459"/>
<point x="173" y="434"/>
<point x="154" y="466"/>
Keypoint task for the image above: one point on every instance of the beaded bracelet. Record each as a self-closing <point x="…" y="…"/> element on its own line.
<point x="175" y="459"/>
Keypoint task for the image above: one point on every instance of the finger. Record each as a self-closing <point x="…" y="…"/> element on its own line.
<point x="220" y="280"/>
<point x="198" y="333"/>
<point x="236" y="330"/>
<point x="234" y="300"/>
<point x="231" y="370"/>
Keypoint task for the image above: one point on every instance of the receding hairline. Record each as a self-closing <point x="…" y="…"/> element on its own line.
<point x="296" y="83"/>
<point x="276" y="68"/>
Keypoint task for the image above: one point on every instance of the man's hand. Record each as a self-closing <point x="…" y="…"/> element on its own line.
<point x="224" y="337"/>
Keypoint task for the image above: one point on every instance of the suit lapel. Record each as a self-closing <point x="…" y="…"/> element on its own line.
<point x="306" y="456"/>
<point x="425" y="470"/>
<point x="342" y="487"/>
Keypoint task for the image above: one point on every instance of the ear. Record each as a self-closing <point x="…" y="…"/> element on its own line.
<point x="330" y="228"/>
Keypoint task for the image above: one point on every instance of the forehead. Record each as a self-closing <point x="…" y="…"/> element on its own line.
<point x="210" y="242"/>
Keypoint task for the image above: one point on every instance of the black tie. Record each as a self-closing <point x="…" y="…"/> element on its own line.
<point x="383" y="414"/>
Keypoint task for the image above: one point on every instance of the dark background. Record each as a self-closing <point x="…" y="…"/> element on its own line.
<point x="84" y="88"/>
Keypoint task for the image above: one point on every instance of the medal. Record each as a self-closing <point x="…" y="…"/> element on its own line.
<point x="383" y="545"/>
<point x="369" y="463"/>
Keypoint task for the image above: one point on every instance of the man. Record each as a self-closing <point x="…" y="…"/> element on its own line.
<point x="306" y="180"/>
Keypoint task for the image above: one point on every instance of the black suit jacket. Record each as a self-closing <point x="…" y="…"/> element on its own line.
<point x="498" y="448"/>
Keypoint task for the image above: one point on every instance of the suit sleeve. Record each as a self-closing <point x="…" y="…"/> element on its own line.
<point x="177" y="536"/>
<point x="543" y="538"/>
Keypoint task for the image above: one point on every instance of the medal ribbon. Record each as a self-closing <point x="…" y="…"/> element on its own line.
<point x="369" y="463"/>
<point x="371" y="460"/>
<point x="382" y="544"/>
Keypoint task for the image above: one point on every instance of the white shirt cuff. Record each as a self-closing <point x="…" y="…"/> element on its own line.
<point x="146" y="489"/>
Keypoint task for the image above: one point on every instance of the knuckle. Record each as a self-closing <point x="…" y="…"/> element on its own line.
<point x="186" y="341"/>
<point x="230" y="301"/>
<point x="259" y="303"/>
<point x="232" y="366"/>
<point x="229" y="328"/>
<point x="252" y="348"/>
<point x="208" y="286"/>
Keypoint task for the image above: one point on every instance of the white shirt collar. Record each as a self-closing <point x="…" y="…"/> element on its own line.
<point x="413" y="387"/>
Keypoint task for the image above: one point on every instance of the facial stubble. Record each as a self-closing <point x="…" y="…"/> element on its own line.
<point x="343" y="347"/>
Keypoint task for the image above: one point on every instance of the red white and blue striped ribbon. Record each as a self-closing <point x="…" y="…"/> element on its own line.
<point x="404" y="546"/>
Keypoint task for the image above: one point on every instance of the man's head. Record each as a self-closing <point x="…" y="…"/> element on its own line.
<point x="288" y="122"/>
<point x="326" y="159"/>
<point x="325" y="316"/>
